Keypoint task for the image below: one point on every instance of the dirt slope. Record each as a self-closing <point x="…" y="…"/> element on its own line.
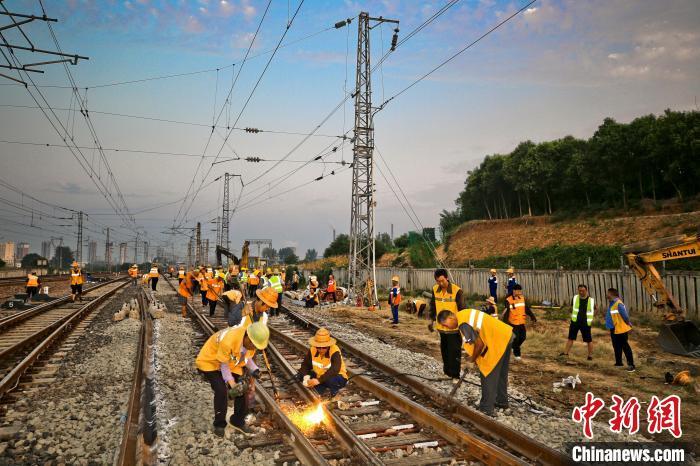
<point x="479" y="239"/>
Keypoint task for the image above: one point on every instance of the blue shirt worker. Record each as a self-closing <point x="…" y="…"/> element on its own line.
<point x="323" y="368"/>
<point x="618" y="322"/>
<point x="512" y="281"/>
<point x="395" y="298"/>
<point x="493" y="284"/>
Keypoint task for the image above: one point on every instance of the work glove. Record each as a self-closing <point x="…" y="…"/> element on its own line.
<point x="236" y="391"/>
<point x="430" y="326"/>
<point x="298" y="377"/>
<point x="255" y="374"/>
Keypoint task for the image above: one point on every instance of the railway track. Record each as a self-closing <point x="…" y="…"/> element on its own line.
<point x="33" y="342"/>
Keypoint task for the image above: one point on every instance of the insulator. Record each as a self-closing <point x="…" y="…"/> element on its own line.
<point x="340" y="24"/>
<point x="394" y="39"/>
<point x="319" y="178"/>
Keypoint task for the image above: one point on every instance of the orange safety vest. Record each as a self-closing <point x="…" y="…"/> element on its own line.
<point x="180" y="274"/>
<point x="516" y="306"/>
<point x="396" y="300"/>
<point x="76" y="277"/>
<point x="32" y="280"/>
<point x="321" y="365"/>
<point x="203" y="283"/>
<point x="331" y="286"/>
<point x="620" y="325"/>
<point x="494" y="333"/>
<point x="214" y="290"/>
<point x="153" y="273"/>
<point x="133" y="273"/>
<point x="185" y="288"/>
<point x="254" y="279"/>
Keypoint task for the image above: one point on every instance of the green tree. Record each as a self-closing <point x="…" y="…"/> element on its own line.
<point x="339" y="246"/>
<point x="284" y="253"/>
<point x="63" y="257"/>
<point x="30" y="260"/>
<point x="290" y="258"/>
<point x="269" y="253"/>
<point x="310" y="255"/>
<point x="2" y="263"/>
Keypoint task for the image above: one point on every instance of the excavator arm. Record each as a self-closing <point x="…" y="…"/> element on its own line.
<point x="221" y="251"/>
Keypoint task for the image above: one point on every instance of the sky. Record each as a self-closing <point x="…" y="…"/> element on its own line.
<point x="558" y="68"/>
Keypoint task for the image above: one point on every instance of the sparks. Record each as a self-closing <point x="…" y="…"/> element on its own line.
<point x="307" y="420"/>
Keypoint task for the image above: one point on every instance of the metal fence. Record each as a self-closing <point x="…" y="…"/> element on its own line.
<point x="556" y="286"/>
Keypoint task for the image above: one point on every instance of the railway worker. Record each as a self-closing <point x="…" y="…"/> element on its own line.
<point x="583" y="308"/>
<point x="447" y="296"/>
<point x="187" y="288"/>
<point x="33" y="284"/>
<point x="312" y="299"/>
<point x="153" y="275"/>
<point x="231" y="278"/>
<point x="253" y="282"/>
<point x="512" y="281"/>
<point x="617" y="320"/>
<point x="324" y="365"/>
<point x="295" y="281"/>
<point x="243" y="280"/>
<point x="257" y="309"/>
<point x="514" y="315"/>
<point x="395" y="299"/>
<point x="215" y="286"/>
<point x="226" y="360"/>
<point x="233" y="305"/>
<point x="493" y="284"/>
<point x="487" y="343"/>
<point x="180" y="273"/>
<point x="416" y="306"/>
<point x="490" y="307"/>
<point x="134" y="274"/>
<point x="331" y="287"/>
<point x="203" y="287"/>
<point x="76" y="282"/>
<point x="276" y="284"/>
<point x="283" y="276"/>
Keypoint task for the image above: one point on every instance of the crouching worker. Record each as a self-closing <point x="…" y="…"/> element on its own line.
<point x="487" y="342"/>
<point x="226" y="360"/>
<point x="323" y="366"/>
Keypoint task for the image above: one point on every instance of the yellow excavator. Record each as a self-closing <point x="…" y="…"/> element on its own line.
<point x="677" y="335"/>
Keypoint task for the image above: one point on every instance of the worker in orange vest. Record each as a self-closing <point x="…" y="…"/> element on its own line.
<point x="514" y="315"/>
<point x="203" y="286"/>
<point x="253" y="282"/>
<point x="33" y="284"/>
<point x="215" y="286"/>
<point x="134" y="274"/>
<point x="76" y="282"/>
<point x="187" y="288"/>
<point x="330" y="289"/>
<point x="153" y="275"/>
<point x="181" y="274"/>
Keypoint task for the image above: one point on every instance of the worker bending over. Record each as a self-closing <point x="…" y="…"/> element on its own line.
<point x="187" y="288"/>
<point x="514" y="315"/>
<point x="134" y="274"/>
<point x="323" y="366"/>
<point x="257" y="309"/>
<point x="233" y="305"/>
<point x="447" y="297"/>
<point x="617" y="320"/>
<point x="487" y="342"/>
<point x="490" y="307"/>
<point x="153" y="276"/>
<point x="33" y="284"/>
<point x="416" y="306"/>
<point x="76" y="282"/>
<point x="226" y="360"/>
<point x="583" y="308"/>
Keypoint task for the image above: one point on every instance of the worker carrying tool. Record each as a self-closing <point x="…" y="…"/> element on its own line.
<point x="617" y="320"/>
<point x="395" y="299"/>
<point x="512" y="281"/>
<point x="180" y="273"/>
<point x="276" y="283"/>
<point x="323" y="368"/>
<point x="257" y="309"/>
<point x="215" y="286"/>
<point x="447" y="297"/>
<point x="134" y="274"/>
<point x="226" y="360"/>
<point x="493" y="284"/>
<point x="153" y="275"/>
<point x="187" y="288"/>
<point x="76" y="282"/>
<point x="487" y="342"/>
<point x="33" y="284"/>
<point x="583" y="309"/>
<point x="514" y="315"/>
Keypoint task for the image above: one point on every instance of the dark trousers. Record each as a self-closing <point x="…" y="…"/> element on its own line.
<point x="205" y="301"/>
<point x="451" y="349"/>
<point x="212" y="307"/>
<point x="276" y="312"/>
<point x="251" y="290"/>
<point x="333" y="385"/>
<point x="519" y="336"/>
<point x="494" y="387"/>
<point x="395" y="313"/>
<point x="216" y="380"/>
<point x="241" y="404"/>
<point x="179" y="280"/>
<point x="332" y="293"/>
<point x="620" y="345"/>
<point x="31" y="292"/>
<point x="421" y="310"/>
<point x="134" y="280"/>
<point x="154" y="283"/>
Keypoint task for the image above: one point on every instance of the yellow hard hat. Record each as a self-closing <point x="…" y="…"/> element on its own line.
<point x="268" y="271"/>
<point x="683" y="378"/>
<point x="244" y="268"/>
<point x="511" y="270"/>
<point x="276" y="271"/>
<point x="74" y="264"/>
<point x="492" y="270"/>
<point x="259" y="334"/>
<point x="395" y="278"/>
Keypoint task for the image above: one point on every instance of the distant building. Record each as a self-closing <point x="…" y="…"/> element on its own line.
<point x="46" y="249"/>
<point x="7" y="253"/>
<point x="22" y="250"/>
<point x="122" y="253"/>
<point x="92" y="252"/>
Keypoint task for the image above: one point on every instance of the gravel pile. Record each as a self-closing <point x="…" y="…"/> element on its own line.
<point x="78" y="419"/>
<point x="184" y="399"/>
<point x="550" y="426"/>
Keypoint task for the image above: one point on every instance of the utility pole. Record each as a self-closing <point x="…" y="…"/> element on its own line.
<point x="136" y="249"/>
<point x="218" y="230"/>
<point x="79" y="248"/>
<point x="206" y="251"/>
<point x="108" y="252"/>
<point x="225" y="213"/>
<point x="392" y="232"/>
<point x="198" y="244"/>
<point x="189" y="254"/>
<point x="145" y="251"/>
<point x="362" y="253"/>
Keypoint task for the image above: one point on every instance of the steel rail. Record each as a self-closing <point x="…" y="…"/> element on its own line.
<point x="9" y="381"/>
<point x="517" y="441"/>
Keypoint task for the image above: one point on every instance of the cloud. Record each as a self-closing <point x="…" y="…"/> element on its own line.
<point x="193" y="25"/>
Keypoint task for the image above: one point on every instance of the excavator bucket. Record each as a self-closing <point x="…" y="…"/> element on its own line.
<point x="682" y="338"/>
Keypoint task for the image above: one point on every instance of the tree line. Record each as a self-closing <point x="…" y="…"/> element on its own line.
<point x="652" y="157"/>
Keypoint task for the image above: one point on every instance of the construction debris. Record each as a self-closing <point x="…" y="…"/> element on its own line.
<point x="570" y="381"/>
<point x="129" y="309"/>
